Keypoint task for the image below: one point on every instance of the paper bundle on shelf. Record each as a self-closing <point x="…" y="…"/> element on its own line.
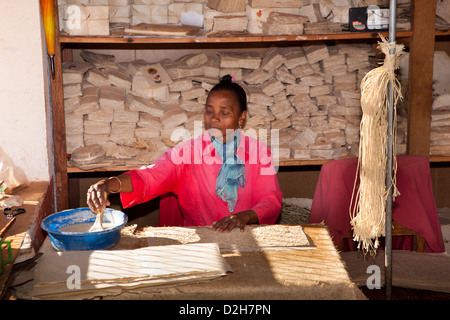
<point x="72" y="90"/>
<point x="89" y="101"/>
<point x="120" y="3"/>
<point x="97" y="78"/>
<point x="159" y="2"/>
<point x="85" y="20"/>
<point x="112" y="98"/>
<point x="276" y="3"/>
<point x="303" y="92"/>
<point x="257" y="16"/>
<point x="312" y="11"/>
<point x="74" y="72"/>
<point x="230" y="23"/>
<point x="257" y="76"/>
<point x="284" y="23"/>
<point x="239" y="60"/>
<point x="120" y="14"/>
<point x="227" y="5"/>
<point x="150" y="14"/>
<point x="323" y="27"/>
<point x="210" y="15"/>
<point x="74" y="131"/>
<point x="98" y="2"/>
<point x="97" y="127"/>
<point x="118" y="78"/>
<point x="440" y="126"/>
<point x="325" y="16"/>
<point x="140" y="104"/>
<point x="151" y="82"/>
<point x="173" y="116"/>
<point x="126" y="115"/>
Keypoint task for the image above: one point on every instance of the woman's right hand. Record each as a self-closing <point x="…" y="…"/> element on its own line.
<point x="95" y="196"/>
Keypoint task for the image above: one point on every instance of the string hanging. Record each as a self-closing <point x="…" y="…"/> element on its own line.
<point x="369" y="212"/>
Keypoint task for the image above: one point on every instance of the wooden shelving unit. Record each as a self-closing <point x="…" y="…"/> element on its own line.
<point x="282" y="163"/>
<point x="128" y="39"/>
<point x="421" y="40"/>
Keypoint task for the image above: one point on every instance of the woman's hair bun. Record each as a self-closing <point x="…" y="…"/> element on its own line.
<point x="227" y="84"/>
<point x="226" y="79"/>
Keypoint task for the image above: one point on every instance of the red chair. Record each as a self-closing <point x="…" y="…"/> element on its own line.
<point x="414" y="211"/>
<point x="169" y="211"/>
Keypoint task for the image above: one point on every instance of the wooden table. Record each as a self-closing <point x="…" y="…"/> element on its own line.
<point x="272" y="274"/>
<point x="37" y="201"/>
<point x="260" y="275"/>
<point x="287" y="274"/>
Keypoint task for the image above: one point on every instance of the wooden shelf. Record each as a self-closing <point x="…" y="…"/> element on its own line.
<point x="295" y="162"/>
<point x="128" y="39"/>
<point x="101" y="169"/>
<point x="442" y="33"/>
<point x="420" y="40"/>
<point x="439" y="159"/>
<point x="282" y="163"/>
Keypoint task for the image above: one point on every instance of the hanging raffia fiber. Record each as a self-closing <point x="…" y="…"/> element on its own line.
<point x="369" y="212"/>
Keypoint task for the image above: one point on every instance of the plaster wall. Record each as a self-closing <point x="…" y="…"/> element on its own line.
<point x="24" y="91"/>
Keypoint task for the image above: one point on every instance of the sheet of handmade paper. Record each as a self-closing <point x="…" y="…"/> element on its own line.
<point x="116" y="266"/>
<point x="254" y="238"/>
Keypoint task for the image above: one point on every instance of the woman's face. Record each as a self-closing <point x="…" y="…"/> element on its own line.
<point x="222" y="112"/>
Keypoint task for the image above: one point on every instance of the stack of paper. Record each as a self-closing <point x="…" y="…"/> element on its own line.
<point x="86" y="274"/>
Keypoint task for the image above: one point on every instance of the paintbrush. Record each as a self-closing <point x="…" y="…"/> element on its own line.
<point x="97" y="226"/>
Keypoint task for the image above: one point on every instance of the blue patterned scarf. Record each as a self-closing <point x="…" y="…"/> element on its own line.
<point x="232" y="173"/>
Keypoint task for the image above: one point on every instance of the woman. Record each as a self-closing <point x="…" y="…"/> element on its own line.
<point x="222" y="178"/>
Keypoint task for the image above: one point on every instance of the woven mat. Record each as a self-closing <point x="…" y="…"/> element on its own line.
<point x="295" y="211"/>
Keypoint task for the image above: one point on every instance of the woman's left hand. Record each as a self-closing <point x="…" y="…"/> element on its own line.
<point x="239" y="220"/>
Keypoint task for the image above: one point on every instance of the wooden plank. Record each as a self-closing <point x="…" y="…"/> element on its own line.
<point x="59" y="128"/>
<point x="227" y="39"/>
<point x="38" y="201"/>
<point x="336" y="36"/>
<point x="442" y="33"/>
<point x="147" y="39"/>
<point x="162" y="30"/>
<point x="7" y="226"/>
<point x="281" y="163"/>
<point x="421" y="77"/>
<point x="399" y="230"/>
<point x="439" y="159"/>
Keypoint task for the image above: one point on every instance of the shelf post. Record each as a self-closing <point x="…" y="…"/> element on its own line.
<point x="420" y="89"/>
<point x="59" y="128"/>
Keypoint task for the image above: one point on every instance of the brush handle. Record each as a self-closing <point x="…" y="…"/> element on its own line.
<point x="7" y="226"/>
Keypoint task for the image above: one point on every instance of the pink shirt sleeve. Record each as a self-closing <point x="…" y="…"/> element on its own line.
<point x="269" y="206"/>
<point x="152" y="181"/>
<point x="266" y="191"/>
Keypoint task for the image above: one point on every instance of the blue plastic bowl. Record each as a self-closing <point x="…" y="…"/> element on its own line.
<point x="70" y="241"/>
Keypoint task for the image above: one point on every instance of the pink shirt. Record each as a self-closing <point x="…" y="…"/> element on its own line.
<point x="190" y="170"/>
